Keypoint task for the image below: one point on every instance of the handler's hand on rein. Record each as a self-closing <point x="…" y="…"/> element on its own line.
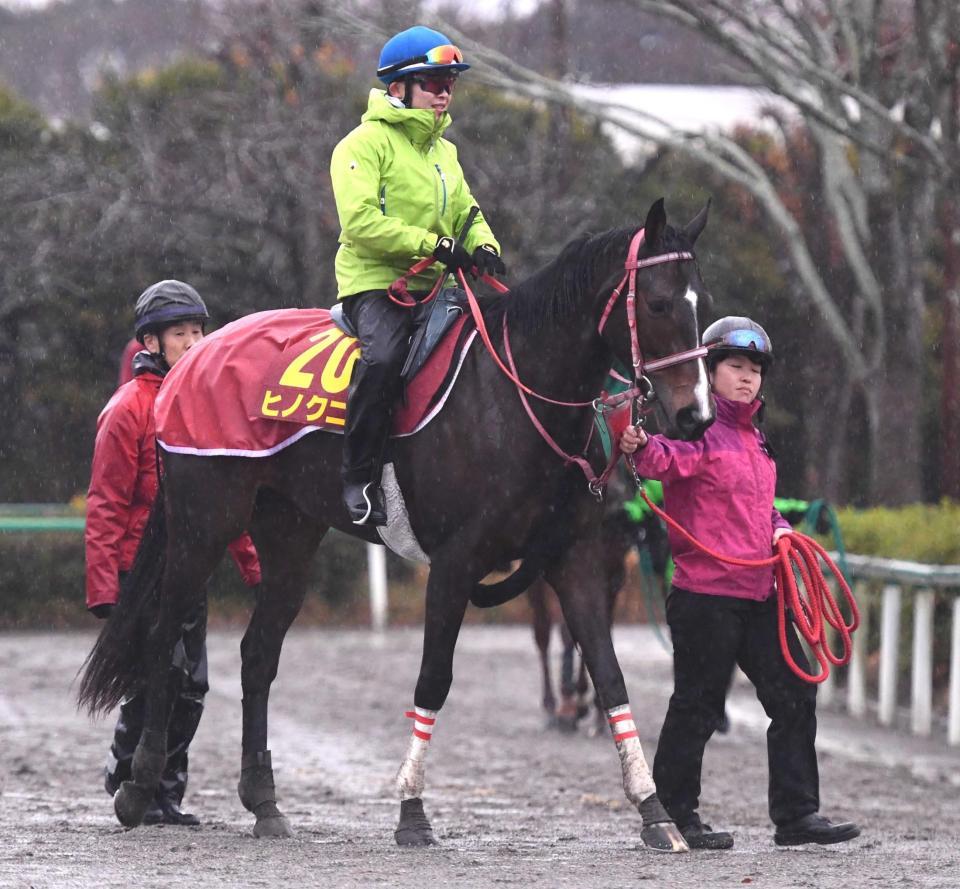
<point x="780" y="532"/>
<point x="633" y="437"/>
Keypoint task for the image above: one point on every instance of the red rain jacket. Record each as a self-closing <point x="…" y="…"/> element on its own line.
<point x="126" y="361"/>
<point x="123" y="485"/>
<point x="720" y="489"/>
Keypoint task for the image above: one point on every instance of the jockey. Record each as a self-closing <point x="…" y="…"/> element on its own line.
<point x="170" y="318"/>
<point x="720" y="489"/>
<point x="401" y="196"/>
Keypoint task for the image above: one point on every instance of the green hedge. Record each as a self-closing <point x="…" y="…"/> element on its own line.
<point x="42" y="574"/>
<point x="918" y="533"/>
<point x="42" y="583"/>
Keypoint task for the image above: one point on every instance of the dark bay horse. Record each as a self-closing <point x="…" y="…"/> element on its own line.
<point x="482" y="487"/>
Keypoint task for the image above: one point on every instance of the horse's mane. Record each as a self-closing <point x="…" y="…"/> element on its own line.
<point x="556" y="291"/>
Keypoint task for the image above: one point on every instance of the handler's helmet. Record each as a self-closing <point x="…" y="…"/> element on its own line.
<point x="734" y="335"/>
<point x="166" y="303"/>
<point x="416" y="50"/>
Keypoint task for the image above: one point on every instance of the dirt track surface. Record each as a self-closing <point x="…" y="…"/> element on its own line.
<point x="510" y="801"/>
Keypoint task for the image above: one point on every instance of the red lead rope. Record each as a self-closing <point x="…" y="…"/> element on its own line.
<point x="811" y="612"/>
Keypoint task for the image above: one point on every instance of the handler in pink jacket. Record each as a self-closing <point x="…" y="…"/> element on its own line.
<point x="721" y="490"/>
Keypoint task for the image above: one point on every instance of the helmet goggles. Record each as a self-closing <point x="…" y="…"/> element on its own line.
<point x="438" y="56"/>
<point x="747" y="340"/>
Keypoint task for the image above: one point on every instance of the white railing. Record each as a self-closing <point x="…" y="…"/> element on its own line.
<point x="921" y="582"/>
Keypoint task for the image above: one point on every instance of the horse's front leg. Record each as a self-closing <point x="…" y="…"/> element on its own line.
<point x="286" y="540"/>
<point x="586" y="609"/>
<point x="448" y="591"/>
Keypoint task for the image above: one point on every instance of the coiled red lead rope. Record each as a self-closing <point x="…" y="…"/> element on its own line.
<point x="811" y="613"/>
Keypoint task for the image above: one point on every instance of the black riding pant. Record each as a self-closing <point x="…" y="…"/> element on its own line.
<point x="710" y="635"/>
<point x="383" y="330"/>
<point x="188" y="681"/>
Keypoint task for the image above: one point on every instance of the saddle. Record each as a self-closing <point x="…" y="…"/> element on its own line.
<point x="431" y="322"/>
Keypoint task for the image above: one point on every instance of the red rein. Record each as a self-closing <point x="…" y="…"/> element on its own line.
<point x="811" y="613"/>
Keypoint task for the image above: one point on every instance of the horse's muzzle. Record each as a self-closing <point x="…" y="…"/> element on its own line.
<point x="692" y="422"/>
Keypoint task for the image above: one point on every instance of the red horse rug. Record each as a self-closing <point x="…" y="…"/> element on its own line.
<point x="264" y="381"/>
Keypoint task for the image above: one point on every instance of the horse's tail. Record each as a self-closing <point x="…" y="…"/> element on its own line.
<point x="115" y="666"/>
<point x="552" y="537"/>
<point x="489" y="595"/>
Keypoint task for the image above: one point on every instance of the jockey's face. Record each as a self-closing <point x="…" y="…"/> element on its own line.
<point x="174" y="341"/>
<point x="424" y="99"/>
<point x="737" y="378"/>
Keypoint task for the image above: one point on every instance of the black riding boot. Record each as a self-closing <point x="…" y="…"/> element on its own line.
<point x="365" y="436"/>
<point x="383" y="329"/>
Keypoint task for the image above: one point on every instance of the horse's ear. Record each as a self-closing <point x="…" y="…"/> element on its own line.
<point x="656" y="223"/>
<point x="697" y="224"/>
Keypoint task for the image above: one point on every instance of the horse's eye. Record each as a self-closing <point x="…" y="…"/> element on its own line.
<point x="658" y="306"/>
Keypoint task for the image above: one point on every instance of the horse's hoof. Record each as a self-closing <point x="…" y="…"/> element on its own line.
<point x="131" y="802"/>
<point x="567" y="724"/>
<point x="664" y="837"/>
<point x="274" y="827"/>
<point x="414" y="828"/>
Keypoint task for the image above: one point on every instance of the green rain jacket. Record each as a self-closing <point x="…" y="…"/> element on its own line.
<point x="398" y="187"/>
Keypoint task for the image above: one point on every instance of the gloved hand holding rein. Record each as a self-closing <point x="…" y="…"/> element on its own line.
<point x="452" y="254"/>
<point x="487" y="261"/>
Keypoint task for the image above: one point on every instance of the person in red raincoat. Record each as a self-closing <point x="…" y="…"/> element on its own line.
<point x="130" y="350"/>
<point x="169" y="318"/>
<point x="720" y="489"/>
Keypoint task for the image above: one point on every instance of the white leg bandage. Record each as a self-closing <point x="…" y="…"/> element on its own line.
<point x="637" y="780"/>
<point x="412" y="775"/>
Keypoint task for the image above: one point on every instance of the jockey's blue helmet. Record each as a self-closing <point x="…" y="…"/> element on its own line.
<point x="415" y="50"/>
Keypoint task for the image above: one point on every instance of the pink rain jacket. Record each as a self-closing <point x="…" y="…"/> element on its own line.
<point x="720" y="489"/>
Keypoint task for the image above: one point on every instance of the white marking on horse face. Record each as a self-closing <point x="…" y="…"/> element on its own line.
<point x="701" y="390"/>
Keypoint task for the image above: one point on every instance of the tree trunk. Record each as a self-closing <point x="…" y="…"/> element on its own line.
<point x="896" y="451"/>
<point x="950" y="356"/>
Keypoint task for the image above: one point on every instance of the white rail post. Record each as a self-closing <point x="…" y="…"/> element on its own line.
<point x="889" y="649"/>
<point x="377" y="571"/>
<point x="857" y="674"/>
<point x="953" y="711"/>
<point x="921" y="676"/>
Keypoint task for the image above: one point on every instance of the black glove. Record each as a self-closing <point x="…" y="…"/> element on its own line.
<point x="102" y="611"/>
<point x="452" y="254"/>
<point x="488" y="261"/>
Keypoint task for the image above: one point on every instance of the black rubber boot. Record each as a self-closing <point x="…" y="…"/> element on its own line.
<point x="702" y="836"/>
<point x="814" y="828"/>
<point x="170" y="809"/>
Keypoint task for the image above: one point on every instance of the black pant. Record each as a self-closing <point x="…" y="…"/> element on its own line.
<point x="383" y="330"/>
<point x="188" y="681"/>
<point x="710" y="635"/>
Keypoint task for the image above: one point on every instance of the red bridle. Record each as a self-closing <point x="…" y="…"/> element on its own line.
<point x="631" y="266"/>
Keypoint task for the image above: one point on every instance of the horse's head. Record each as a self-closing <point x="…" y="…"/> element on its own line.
<point x="668" y="292"/>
